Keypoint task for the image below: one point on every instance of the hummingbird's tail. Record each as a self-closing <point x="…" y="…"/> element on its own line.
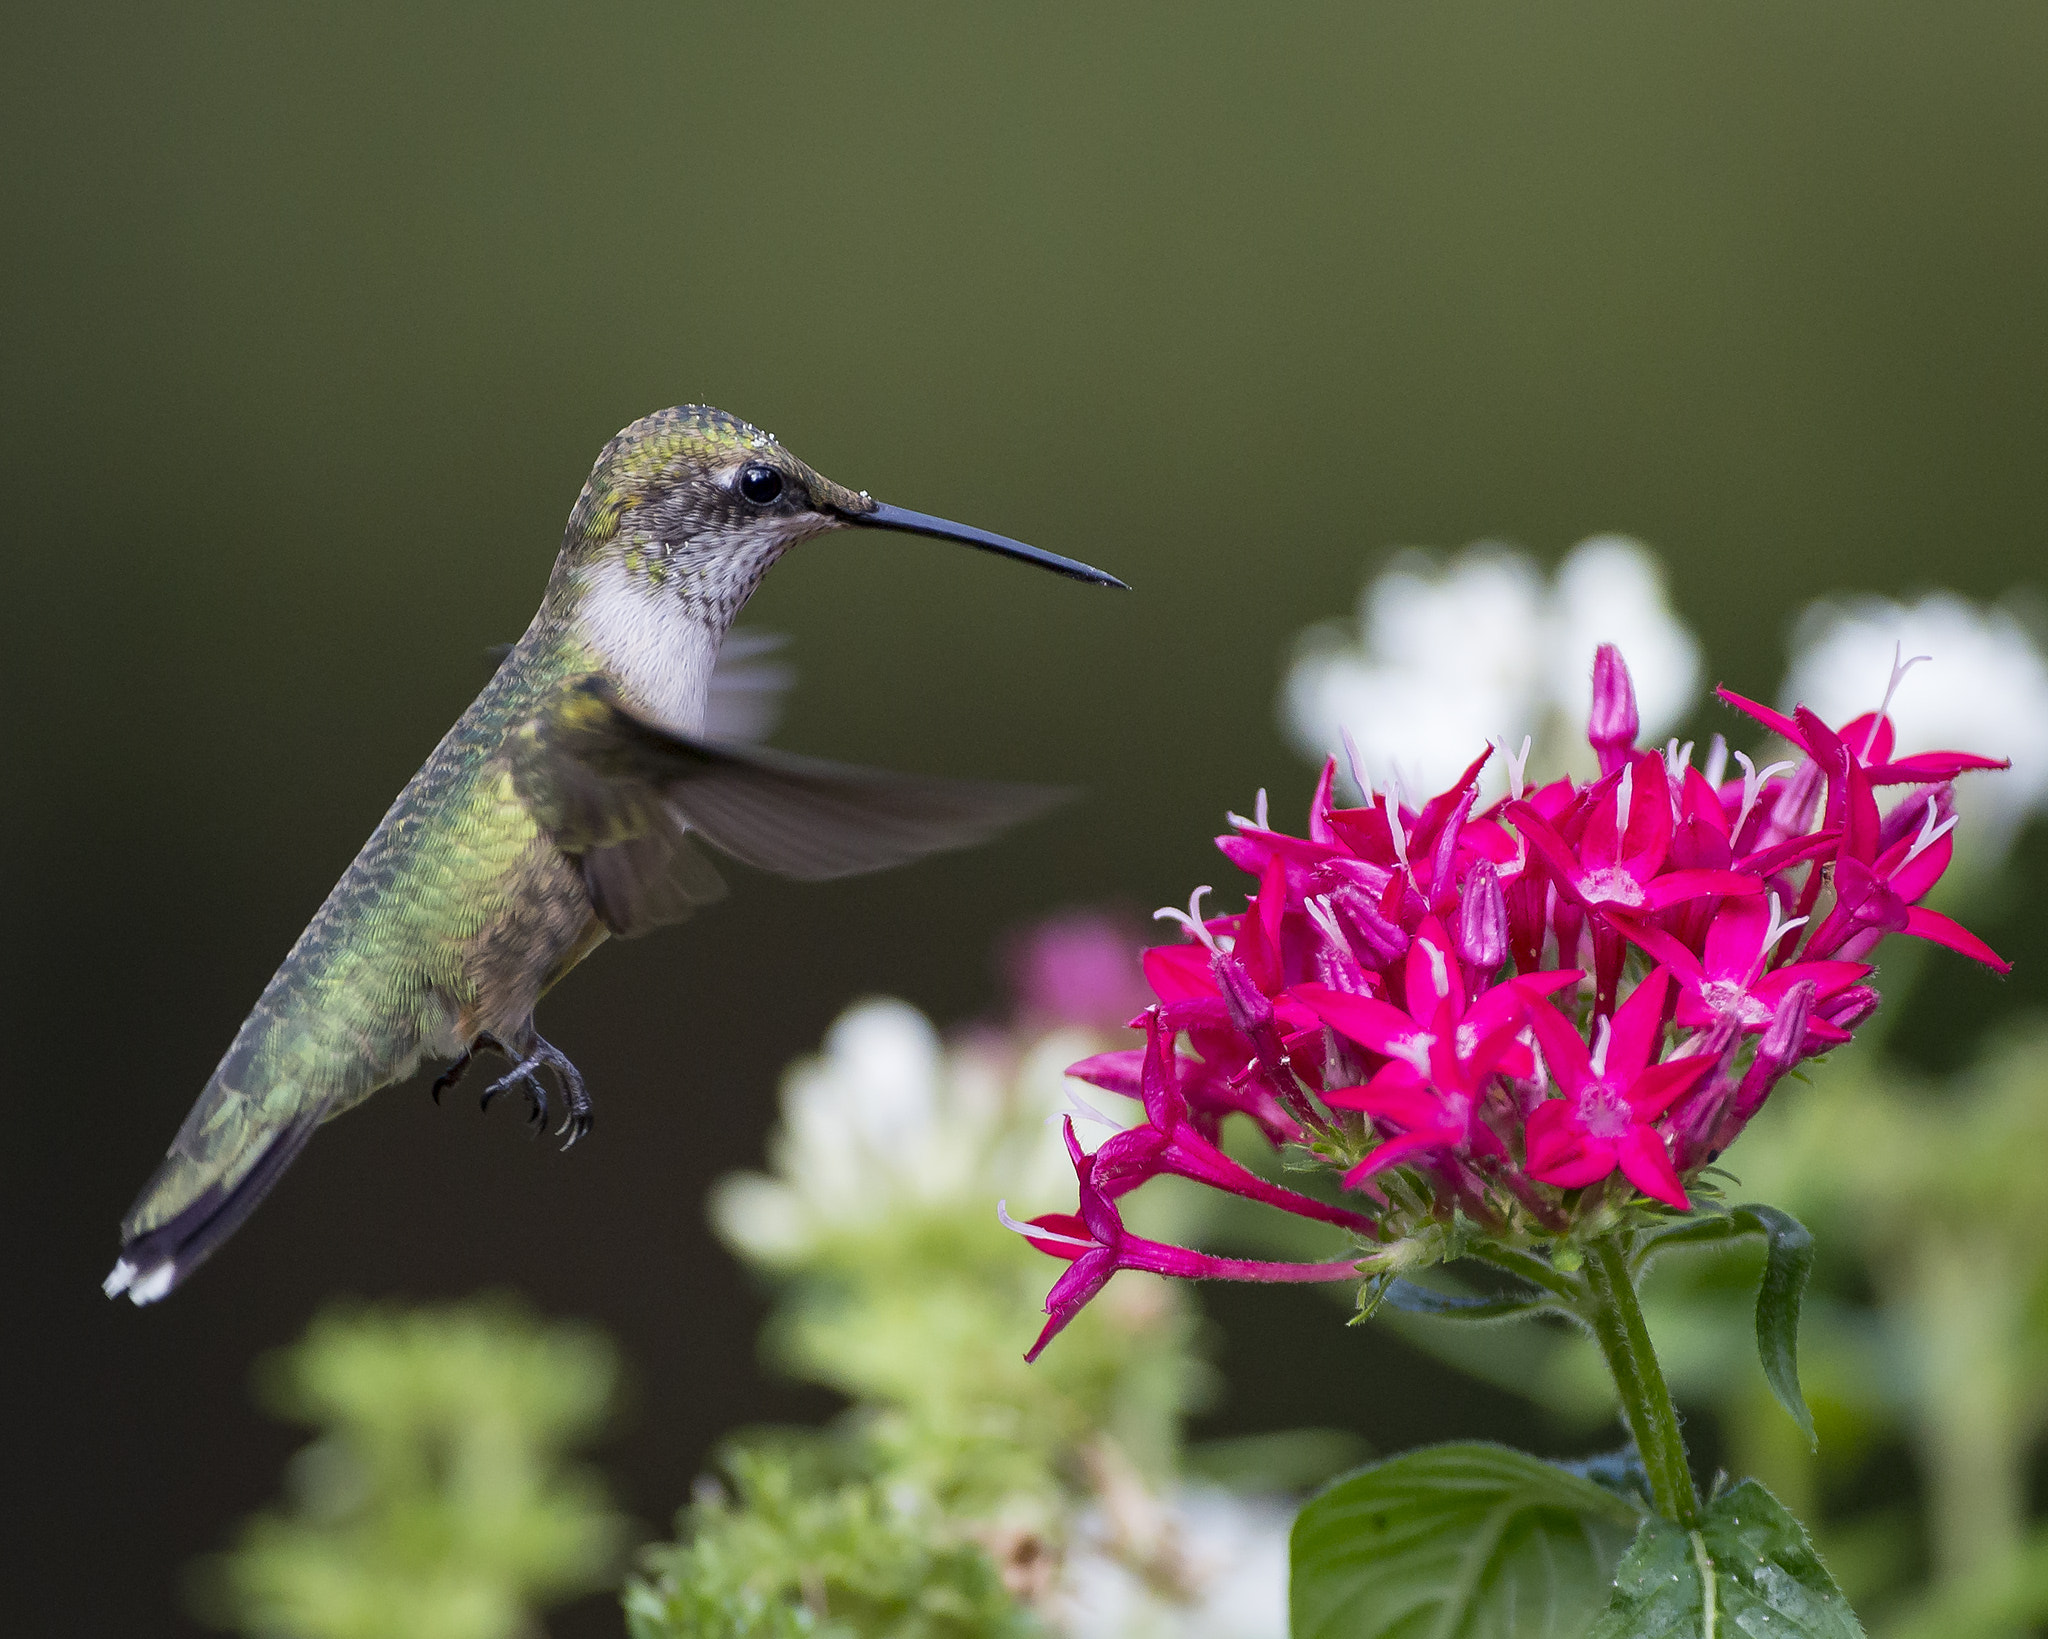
<point x="163" y="1242"/>
<point x="291" y="1067"/>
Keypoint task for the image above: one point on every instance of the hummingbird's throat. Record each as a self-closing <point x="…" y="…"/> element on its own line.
<point x="656" y="642"/>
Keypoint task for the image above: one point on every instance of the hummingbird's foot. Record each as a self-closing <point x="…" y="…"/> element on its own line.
<point x="450" y="1076"/>
<point x="523" y="1074"/>
<point x="581" y="1116"/>
<point x="540" y="1055"/>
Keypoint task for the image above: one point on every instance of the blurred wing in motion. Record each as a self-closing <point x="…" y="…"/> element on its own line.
<point x="626" y="795"/>
<point x="747" y="686"/>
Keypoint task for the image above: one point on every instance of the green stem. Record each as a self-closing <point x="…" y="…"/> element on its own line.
<point x="1617" y="1322"/>
<point x="1530" y="1268"/>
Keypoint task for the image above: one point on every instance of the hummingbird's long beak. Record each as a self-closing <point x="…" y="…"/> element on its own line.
<point x="923" y="523"/>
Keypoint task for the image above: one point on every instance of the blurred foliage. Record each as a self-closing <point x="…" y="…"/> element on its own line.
<point x="963" y="1492"/>
<point x="785" y="1554"/>
<point x="436" y="1502"/>
<point x="1924" y="1194"/>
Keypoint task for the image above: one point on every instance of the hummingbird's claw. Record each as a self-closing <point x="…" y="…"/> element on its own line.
<point x="541" y="1054"/>
<point x="449" y="1077"/>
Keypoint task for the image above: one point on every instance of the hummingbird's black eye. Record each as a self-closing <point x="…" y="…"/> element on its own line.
<point x="760" y="484"/>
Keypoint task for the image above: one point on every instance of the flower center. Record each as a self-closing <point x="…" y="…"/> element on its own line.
<point x="1603" y="1112"/>
<point x="1732" y="1000"/>
<point x="1612" y="885"/>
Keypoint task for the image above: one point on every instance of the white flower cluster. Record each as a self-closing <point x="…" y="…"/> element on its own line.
<point x="1229" y="1558"/>
<point x="1983" y="686"/>
<point x="1445" y="657"/>
<point x="889" y="1118"/>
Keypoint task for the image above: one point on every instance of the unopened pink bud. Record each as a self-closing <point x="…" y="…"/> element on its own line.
<point x="1482" y="928"/>
<point x="1782" y="1045"/>
<point x="1614" y="723"/>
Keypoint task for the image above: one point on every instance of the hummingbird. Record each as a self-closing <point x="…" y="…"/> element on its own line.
<point x="571" y="803"/>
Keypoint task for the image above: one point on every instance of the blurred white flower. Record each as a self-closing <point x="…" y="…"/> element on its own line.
<point x="1445" y="657"/>
<point x="1984" y="687"/>
<point x="889" y="1118"/>
<point x="1226" y="1553"/>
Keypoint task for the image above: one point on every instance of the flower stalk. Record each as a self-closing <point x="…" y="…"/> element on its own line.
<point x="1615" y="1317"/>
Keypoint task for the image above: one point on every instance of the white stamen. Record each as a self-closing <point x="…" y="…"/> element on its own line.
<point x="1900" y="667"/>
<point x="1259" y="815"/>
<point x="1677" y="759"/>
<point x="1190" y="919"/>
<point x="1359" y="777"/>
<point x="1390" y="799"/>
<point x="1324" y="915"/>
<point x="1035" y="1233"/>
<point x="1930" y="833"/>
<point x="1717" y="761"/>
<point x="1624" y="797"/>
<point x="1517" y="764"/>
<point x="1603" y="1032"/>
<point x="1079" y="1109"/>
<point x="1753" y="779"/>
<point x="1777" y="929"/>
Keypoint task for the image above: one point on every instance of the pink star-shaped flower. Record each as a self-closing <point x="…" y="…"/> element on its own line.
<point x="1611" y="1098"/>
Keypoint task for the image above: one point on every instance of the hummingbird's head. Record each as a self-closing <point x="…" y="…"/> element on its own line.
<point x="695" y="504"/>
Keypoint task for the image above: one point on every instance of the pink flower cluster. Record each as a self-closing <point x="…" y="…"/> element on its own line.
<point x="1561" y="1004"/>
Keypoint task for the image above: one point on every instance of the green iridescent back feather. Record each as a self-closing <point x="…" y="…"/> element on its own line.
<point x="376" y="974"/>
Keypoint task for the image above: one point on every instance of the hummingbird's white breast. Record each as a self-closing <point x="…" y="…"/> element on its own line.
<point x="659" y="649"/>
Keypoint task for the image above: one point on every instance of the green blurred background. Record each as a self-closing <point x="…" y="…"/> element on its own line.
<point x="315" y="318"/>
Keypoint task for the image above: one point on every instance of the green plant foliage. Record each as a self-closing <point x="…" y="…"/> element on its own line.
<point x="1457" y="1542"/>
<point x="785" y="1554"/>
<point x="897" y="1286"/>
<point x="1748" y="1569"/>
<point x="965" y="1492"/>
<point x="1788" y="1260"/>
<point x="436" y="1502"/>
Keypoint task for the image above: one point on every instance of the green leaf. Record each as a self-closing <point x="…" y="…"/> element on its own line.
<point x="1412" y="1298"/>
<point x="1787" y="1261"/>
<point x="1456" y="1542"/>
<point x="1748" y="1569"/>
<point x="1700" y="1229"/>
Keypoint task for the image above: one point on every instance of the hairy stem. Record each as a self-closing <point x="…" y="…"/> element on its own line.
<point x="1617" y="1321"/>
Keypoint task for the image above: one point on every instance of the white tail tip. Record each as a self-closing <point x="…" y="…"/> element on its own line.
<point x="146" y="1290"/>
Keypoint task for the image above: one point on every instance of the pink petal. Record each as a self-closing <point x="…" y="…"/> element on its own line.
<point x="1371" y="1023"/>
<point x="1829" y="978"/>
<point x="1179" y="972"/>
<point x="1564" y="1050"/>
<point x="1665" y="948"/>
<point x="1675" y="887"/>
<point x="1319" y="805"/>
<point x="1395" y="1151"/>
<point x="1794" y="851"/>
<point x="1638" y="1027"/>
<point x="1559" y="1151"/>
<point x="1932" y="767"/>
<point x="1916" y="878"/>
<point x="1117" y="1072"/>
<point x="1870" y="735"/>
<point x="1663" y="1085"/>
<point x="1775" y="721"/>
<point x="1944" y="930"/>
<point x="1434" y="981"/>
<point x="1736" y="938"/>
<point x="1558" y="859"/>
<point x="1646" y="1163"/>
